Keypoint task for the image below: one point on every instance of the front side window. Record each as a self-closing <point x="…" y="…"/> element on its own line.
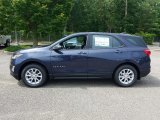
<point x="104" y="41"/>
<point x="78" y="42"/>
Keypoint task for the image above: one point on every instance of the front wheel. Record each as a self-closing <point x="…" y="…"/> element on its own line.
<point x="125" y="76"/>
<point x="34" y="75"/>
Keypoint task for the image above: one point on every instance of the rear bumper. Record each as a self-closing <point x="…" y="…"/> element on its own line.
<point x="145" y="72"/>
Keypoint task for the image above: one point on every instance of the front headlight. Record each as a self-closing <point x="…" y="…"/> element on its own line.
<point x="16" y="56"/>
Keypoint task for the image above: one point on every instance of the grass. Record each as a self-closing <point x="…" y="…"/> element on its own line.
<point x="16" y="48"/>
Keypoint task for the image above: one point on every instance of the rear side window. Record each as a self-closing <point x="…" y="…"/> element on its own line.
<point x="135" y="41"/>
<point x="104" y="41"/>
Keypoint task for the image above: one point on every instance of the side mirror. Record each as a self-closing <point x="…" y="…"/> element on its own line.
<point x="57" y="47"/>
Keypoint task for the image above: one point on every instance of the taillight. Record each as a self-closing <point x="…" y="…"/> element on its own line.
<point x="147" y="52"/>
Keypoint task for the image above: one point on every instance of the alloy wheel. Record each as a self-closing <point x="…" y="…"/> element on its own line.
<point x="33" y="76"/>
<point x="126" y="76"/>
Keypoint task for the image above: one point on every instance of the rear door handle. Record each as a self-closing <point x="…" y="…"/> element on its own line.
<point x="82" y="53"/>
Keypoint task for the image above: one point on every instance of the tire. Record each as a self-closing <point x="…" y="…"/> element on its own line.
<point x="34" y="75"/>
<point x="125" y="76"/>
<point x="7" y="44"/>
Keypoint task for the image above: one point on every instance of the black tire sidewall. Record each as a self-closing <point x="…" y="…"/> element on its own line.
<point x="40" y="68"/>
<point x="7" y="44"/>
<point x="116" y="75"/>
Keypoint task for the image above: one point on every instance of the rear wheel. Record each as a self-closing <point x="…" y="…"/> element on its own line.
<point x="125" y="76"/>
<point x="7" y="44"/>
<point x="34" y="75"/>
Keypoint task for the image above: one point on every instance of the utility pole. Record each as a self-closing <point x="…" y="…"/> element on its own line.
<point x="126" y="8"/>
<point x="15" y="31"/>
<point x="126" y="13"/>
<point x="16" y="35"/>
<point x="49" y="37"/>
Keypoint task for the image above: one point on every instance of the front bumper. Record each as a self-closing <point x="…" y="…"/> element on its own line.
<point x="12" y="72"/>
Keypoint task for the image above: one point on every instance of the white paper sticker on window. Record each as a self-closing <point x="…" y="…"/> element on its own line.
<point x="102" y="41"/>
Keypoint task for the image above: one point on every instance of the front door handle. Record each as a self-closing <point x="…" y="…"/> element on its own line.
<point x="82" y="53"/>
<point x="118" y="51"/>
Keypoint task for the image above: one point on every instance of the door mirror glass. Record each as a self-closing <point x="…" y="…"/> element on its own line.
<point x="57" y="47"/>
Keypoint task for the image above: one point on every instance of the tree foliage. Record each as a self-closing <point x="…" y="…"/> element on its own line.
<point x="109" y="16"/>
<point x="58" y="17"/>
<point x="6" y="16"/>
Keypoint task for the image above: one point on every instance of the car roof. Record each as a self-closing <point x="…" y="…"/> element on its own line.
<point x="117" y="35"/>
<point x="105" y="33"/>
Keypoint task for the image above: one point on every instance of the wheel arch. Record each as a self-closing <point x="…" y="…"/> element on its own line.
<point x="8" y="40"/>
<point x="128" y="63"/>
<point x="32" y="62"/>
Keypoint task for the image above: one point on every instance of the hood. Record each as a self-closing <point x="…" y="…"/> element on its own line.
<point x="34" y="50"/>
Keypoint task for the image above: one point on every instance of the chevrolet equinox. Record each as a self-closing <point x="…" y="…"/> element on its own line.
<point x="124" y="58"/>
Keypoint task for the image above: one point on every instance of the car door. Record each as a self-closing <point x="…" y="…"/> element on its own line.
<point x="105" y="54"/>
<point x="71" y="60"/>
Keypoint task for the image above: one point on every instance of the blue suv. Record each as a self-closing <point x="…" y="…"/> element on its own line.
<point x="123" y="57"/>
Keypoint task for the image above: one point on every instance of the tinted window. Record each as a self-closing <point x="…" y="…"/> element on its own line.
<point x="78" y="42"/>
<point x="136" y="41"/>
<point x="104" y="41"/>
<point x="116" y="43"/>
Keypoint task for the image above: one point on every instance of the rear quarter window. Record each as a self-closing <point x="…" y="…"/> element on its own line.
<point x="136" y="41"/>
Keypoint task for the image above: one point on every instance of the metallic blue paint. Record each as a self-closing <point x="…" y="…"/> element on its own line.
<point x="83" y="62"/>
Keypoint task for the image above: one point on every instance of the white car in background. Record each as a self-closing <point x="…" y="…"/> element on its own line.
<point x="5" y="40"/>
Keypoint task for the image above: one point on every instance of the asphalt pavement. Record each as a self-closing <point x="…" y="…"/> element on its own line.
<point x="80" y="99"/>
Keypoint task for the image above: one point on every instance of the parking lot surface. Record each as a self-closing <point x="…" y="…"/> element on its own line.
<point x="80" y="99"/>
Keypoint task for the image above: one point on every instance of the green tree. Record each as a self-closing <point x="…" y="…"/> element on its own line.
<point x="115" y="16"/>
<point x="7" y="17"/>
<point x="34" y="14"/>
<point x="58" y="17"/>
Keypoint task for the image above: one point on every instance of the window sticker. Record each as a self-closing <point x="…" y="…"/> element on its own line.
<point x="102" y="41"/>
